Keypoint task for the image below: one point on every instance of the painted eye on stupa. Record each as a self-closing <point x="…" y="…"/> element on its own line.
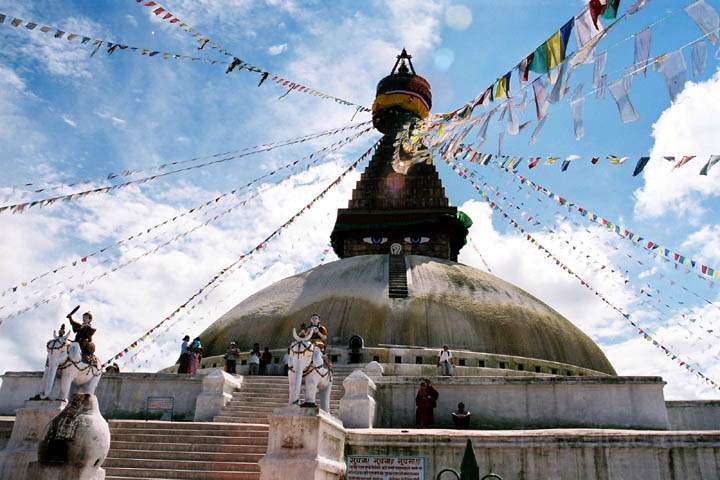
<point x="375" y="240"/>
<point x="416" y="240"/>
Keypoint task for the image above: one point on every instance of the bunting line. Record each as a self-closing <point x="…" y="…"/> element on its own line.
<point x="39" y="187"/>
<point x="221" y="274"/>
<point x="650" y="246"/>
<point x="235" y="64"/>
<point x="315" y="157"/>
<point x="22" y="207"/>
<point x="639" y="330"/>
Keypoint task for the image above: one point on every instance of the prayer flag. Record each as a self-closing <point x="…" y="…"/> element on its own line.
<point x="669" y="159"/>
<point x="595" y="160"/>
<point x="640" y="165"/>
<point x="597" y="8"/>
<point x="706" y="17"/>
<point x="536" y="132"/>
<point x="576" y="105"/>
<point x="540" y="60"/>
<point x="524" y="69"/>
<point x="636" y="7"/>
<point x="611" y="9"/>
<point x="714" y="159"/>
<point x="502" y="89"/>
<point x="585" y="33"/>
<point x="673" y="68"/>
<point x="558" y="90"/>
<point x="699" y="57"/>
<point x="513" y="125"/>
<point x="642" y="49"/>
<point x="541" y="103"/>
<point x="617" y="160"/>
<point x="599" y="68"/>
<point x="619" y="91"/>
<point x="552" y="160"/>
<point x="557" y="44"/>
<point x="534" y="162"/>
<point x="683" y="161"/>
<point x="482" y="133"/>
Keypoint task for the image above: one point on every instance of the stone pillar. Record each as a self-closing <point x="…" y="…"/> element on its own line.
<point x="305" y="443"/>
<point x="75" y="444"/>
<point x="28" y="430"/>
<point x="357" y="406"/>
<point x="217" y="388"/>
<point x="374" y="370"/>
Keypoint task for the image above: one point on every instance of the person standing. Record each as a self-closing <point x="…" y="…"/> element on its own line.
<point x="196" y="351"/>
<point x="286" y="362"/>
<point x="254" y="361"/>
<point x="265" y="360"/>
<point x="184" y="360"/>
<point x="231" y="358"/>
<point x="445" y="361"/>
<point x="425" y="403"/>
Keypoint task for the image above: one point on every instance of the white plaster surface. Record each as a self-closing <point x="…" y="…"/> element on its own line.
<point x="217" y="389"/>
<point x="694" y="414"/>
<point x="28" y="429"/>
<point x="562" y="454"/>
<point x="304" y="444"/>
<point x="530" y="402"/>
<point x="357" y="406"/>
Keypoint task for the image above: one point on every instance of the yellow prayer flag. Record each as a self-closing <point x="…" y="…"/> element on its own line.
<point x="554" y="48"/>
<point x="552" y="160"/>
<point x="501" y="90"/>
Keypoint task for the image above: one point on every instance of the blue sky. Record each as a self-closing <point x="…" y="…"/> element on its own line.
<point x="64" y="115"/>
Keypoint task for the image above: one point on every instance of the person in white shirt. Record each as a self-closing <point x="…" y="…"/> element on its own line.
<point x="254" y="361"/>
<point x="445" y="361"/>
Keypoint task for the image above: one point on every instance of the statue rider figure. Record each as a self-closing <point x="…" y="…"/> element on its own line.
<point x="83" y="336"/>
<point x="319" y="332"/>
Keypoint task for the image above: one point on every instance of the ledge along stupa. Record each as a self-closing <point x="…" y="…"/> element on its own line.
<point x="397" y="288"/>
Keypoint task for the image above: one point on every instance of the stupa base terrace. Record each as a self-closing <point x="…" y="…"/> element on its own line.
<point x="524" y="425"/>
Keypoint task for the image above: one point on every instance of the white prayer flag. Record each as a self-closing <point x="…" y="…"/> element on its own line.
<point x="585" y="31"/>
<point x="541" y="103"/>
<point x="576" y="105"/>
<point x="699" y="57"/>
<point x="620" y="93"/>
<point x="672" y="66"/>
<point x="642" y="49"/>
<point x="599" y="69"/>
<point x="707" y="19"/>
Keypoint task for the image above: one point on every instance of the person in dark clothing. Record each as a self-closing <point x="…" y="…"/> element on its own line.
<point x="83" y="336"/>
<point x="425" y="402"/>
<point x="184" y="360"/>
<point x="461" y="417"/>
<point x="231" y="357"/>
<point x="265" y="360"/>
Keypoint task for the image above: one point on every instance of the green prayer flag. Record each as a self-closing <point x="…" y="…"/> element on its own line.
<point x="713" y="160"/>
<point x="540" y="59"/>
<point x="612" y="9"/>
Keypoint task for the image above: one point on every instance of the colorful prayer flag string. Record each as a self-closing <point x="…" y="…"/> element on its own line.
<point x="313" y="157"/>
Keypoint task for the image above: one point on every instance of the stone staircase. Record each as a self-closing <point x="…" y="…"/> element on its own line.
<point x="397" y="277"/>
<point x="260" y="395"/>
<point x="185" y="450"/>
<point x="229" y="448"/>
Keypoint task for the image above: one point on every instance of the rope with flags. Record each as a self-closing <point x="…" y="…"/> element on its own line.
<point x="219" y="276"/>
<point x="38" y="187"/>
<point x="83" y="260"/>
<point x="638" y="328"/>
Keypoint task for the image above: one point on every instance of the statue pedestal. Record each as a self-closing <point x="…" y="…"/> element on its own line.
<point x="357" y="406"/>
<point x="75" y="443"/>
<point x="305" y="443"/>
<point x="28" y="430"/>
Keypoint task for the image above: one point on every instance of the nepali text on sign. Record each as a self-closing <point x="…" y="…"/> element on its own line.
<point x="385" y="468"/>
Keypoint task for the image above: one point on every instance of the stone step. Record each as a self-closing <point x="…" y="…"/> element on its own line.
<point x="114" y="473"/>
<point x="135" y="424"/>
<point x="176" y="464"/>
<point x="192" y="433"/>
<point x="237" y="440"/>
<point x="181" y="454"/>
<point x="189" y="447"/>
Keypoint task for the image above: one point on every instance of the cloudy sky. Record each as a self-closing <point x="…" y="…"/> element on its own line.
<point x="65" y="116"/>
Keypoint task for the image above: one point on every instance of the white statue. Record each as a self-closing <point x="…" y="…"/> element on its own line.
<point x="308" y="363"/>
<point x="66" y="357"/>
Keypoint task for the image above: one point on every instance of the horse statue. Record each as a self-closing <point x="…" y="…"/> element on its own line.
<point x="66" y="357"/>
<point x="307" y="363"/>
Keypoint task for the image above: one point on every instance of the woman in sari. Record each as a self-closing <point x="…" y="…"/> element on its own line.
<point x="196" y="351"/>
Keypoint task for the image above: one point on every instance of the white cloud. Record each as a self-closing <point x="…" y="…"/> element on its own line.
<point x="131" y="20"/>
<point x="109" y="116"/>
<point x="688" y="127"/>
<point x="277" y="49"/>
<point x="69" y="120"/>
<point x="458" y="16"/>
<point x="444" y="58"/>
<point x="706" y="241"/>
